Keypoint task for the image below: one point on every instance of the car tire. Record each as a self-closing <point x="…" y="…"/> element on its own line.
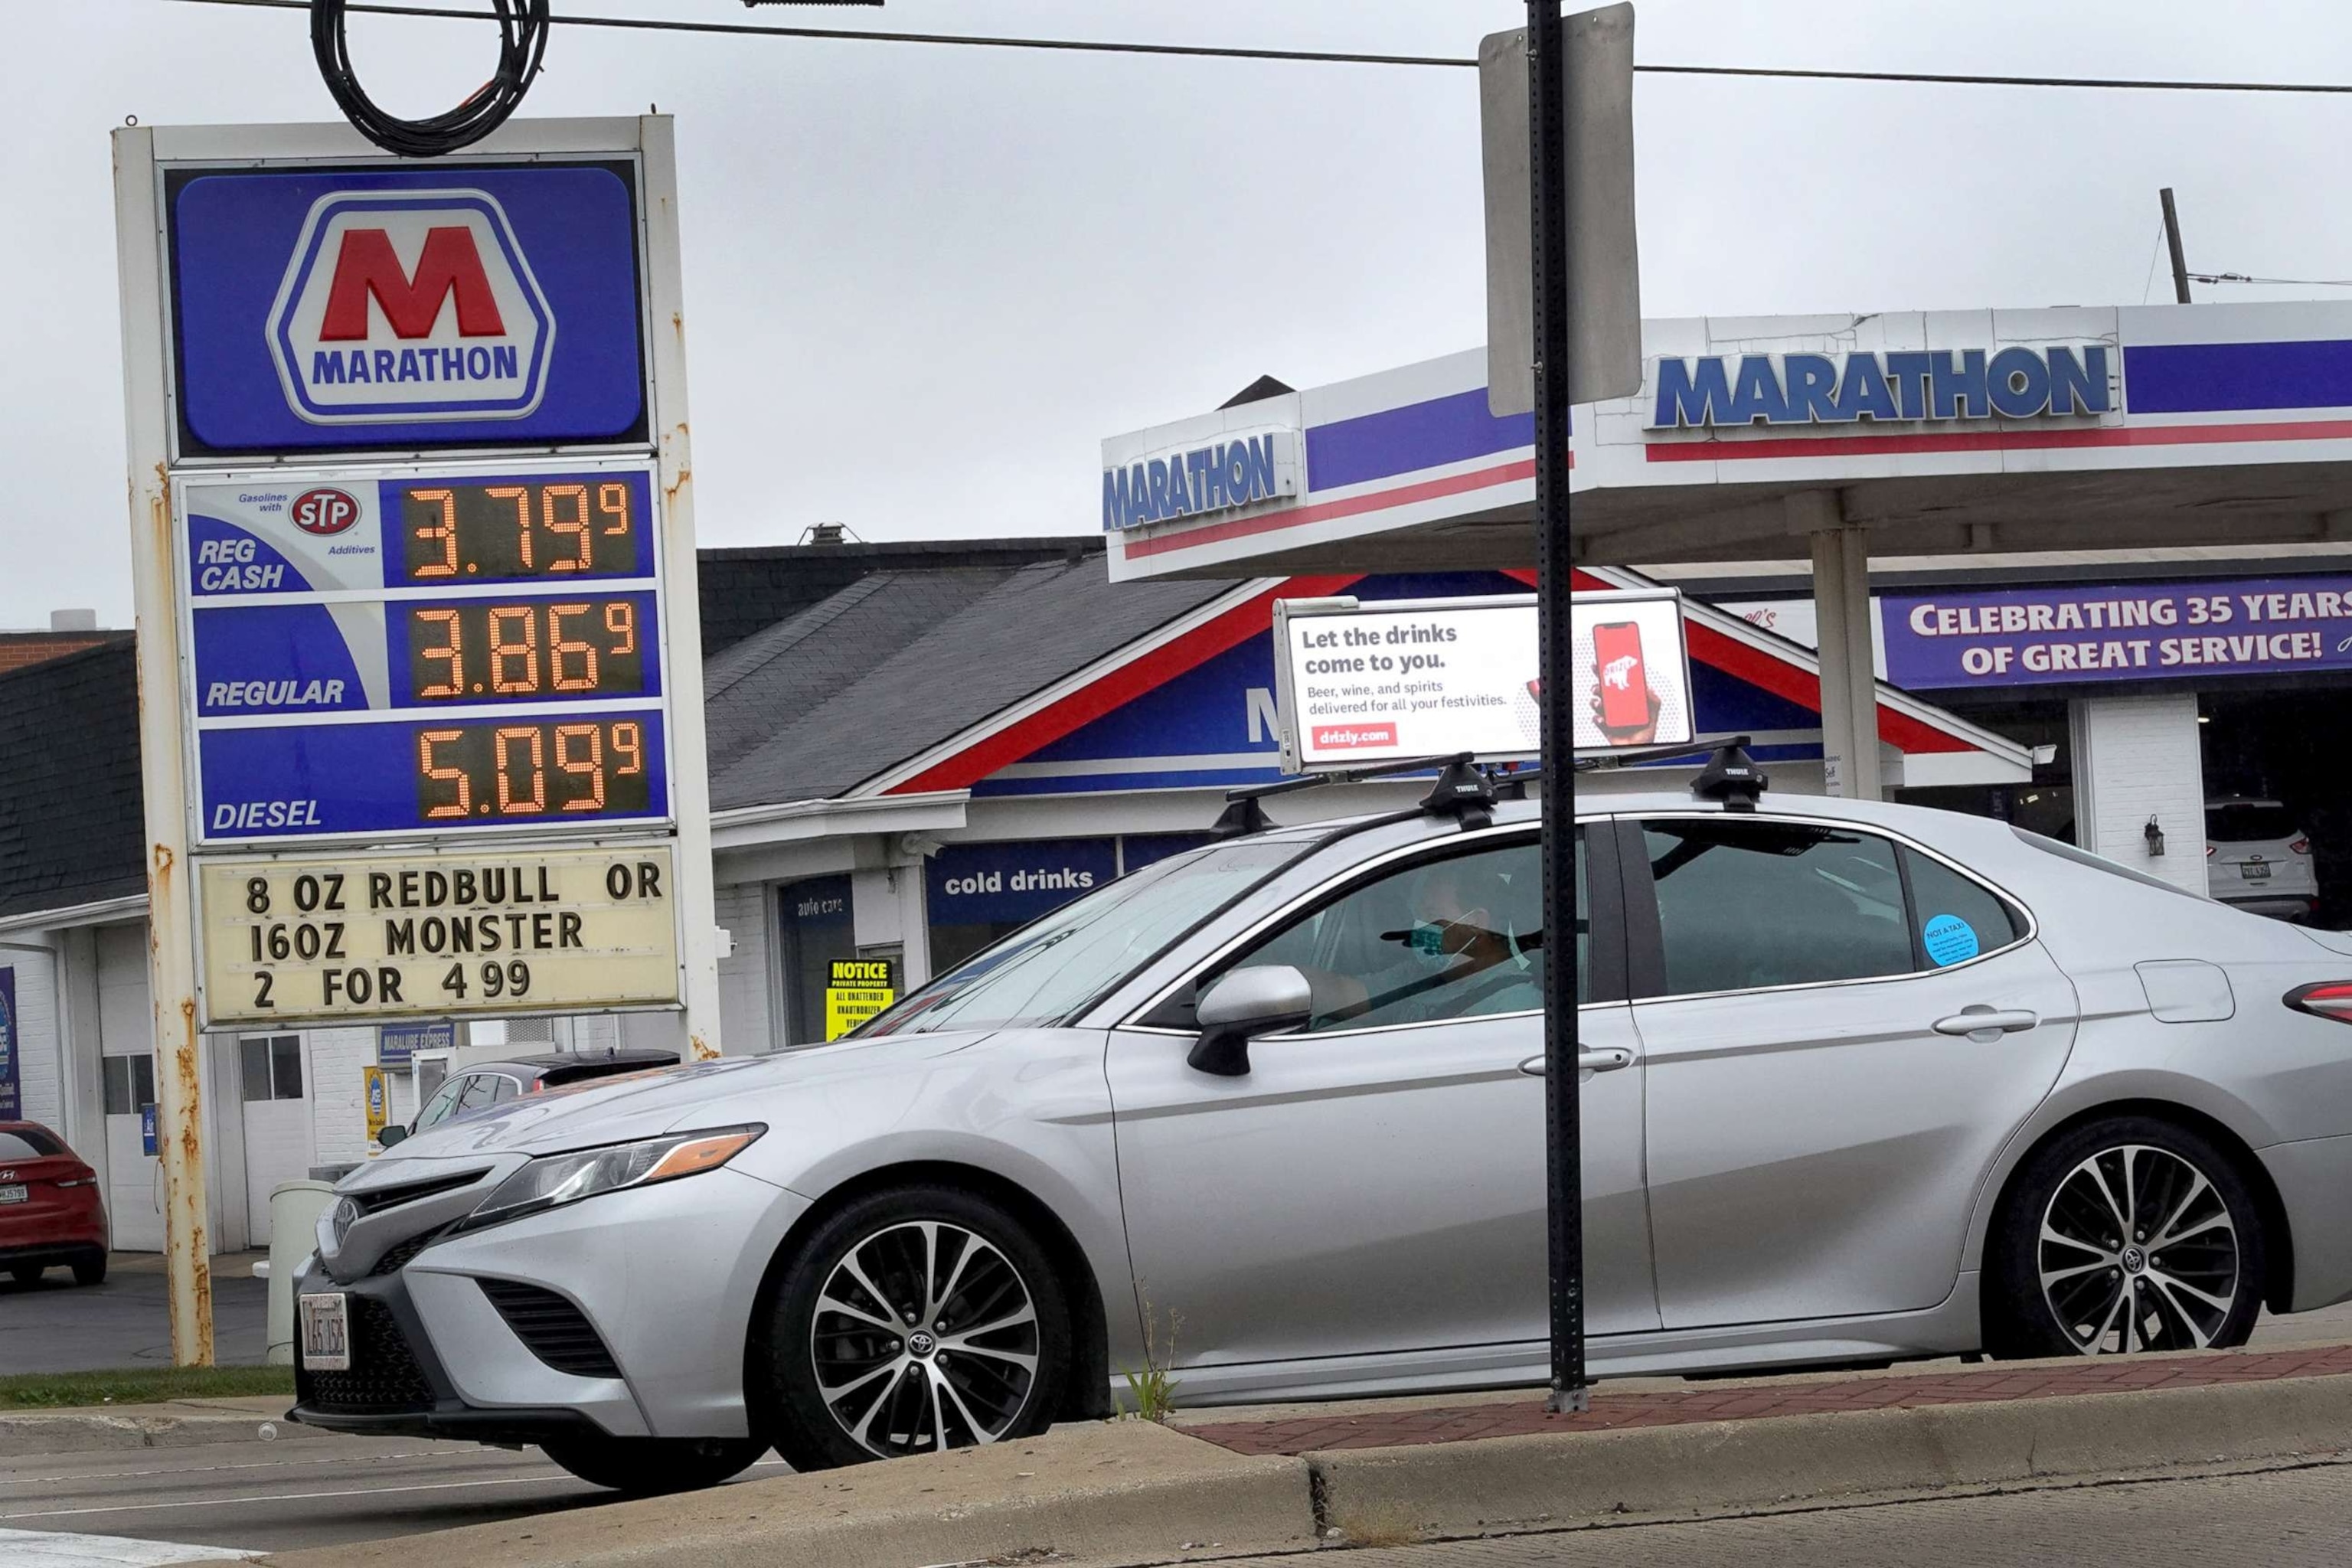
<point x="967" y="1342"/>
<point x="26" y="1273"/>
<point x="648" y="1467"/>
<point x="91" y="1270"/>
<point x="2125" y="1234"/>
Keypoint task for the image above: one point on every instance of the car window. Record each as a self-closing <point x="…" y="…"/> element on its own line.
<point x="482" y="1090"/>
<point x="442" y="1105"/>
<point x="503" y="1088"/>
<point x="1745" y="904"/>
<point x="2240" y="823"/>
<point x="1954" y="917"/>
<point x="1459" y="937"/>
<point x="24" y="1143"/>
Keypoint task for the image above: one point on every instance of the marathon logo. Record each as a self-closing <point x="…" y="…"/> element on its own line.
<point x="2015" y="382"/>
<point x="1241" y="470"/>
<point x="399" y="307"/>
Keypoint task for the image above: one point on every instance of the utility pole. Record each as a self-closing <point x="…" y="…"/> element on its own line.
<point x="2172" y="240"/>
<point x="1547" y="155"/>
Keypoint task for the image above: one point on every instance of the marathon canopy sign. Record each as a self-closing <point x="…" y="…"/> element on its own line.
<point x="458" y="307"/>
<point x="1895" y="385"/>
<point x="2169" y="631"/>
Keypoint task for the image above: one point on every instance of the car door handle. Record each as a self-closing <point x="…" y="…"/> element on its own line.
<point x="1982" y="1020"/>
<point x="1609" y="1058"/>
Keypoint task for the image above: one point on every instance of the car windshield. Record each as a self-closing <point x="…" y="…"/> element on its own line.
<point x="2242" y="822"/>
<point x="1046" y="969"/>
<point x="27" y="1144"/>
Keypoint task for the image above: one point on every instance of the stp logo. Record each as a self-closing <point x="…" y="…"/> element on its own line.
<point x="400" y="307"/>
<point x="324" y="512"/>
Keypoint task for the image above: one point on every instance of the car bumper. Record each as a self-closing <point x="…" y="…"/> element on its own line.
<point x="662" y="1278"/>
<point x="55" y="1253"/>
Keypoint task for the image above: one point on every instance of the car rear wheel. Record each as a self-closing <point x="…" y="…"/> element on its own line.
<point x="646" y="1467"/>
<point x="913" y="1321"/>
<point x="25" y="1273"/>
<point x="91" y="1270"/>
<point x="2125" y="1235"/>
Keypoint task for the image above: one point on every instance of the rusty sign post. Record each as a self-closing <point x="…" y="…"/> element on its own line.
<point x="419" y="643"/>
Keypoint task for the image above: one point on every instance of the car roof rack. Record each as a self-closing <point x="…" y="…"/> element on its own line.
<point x="1463" y="790"/>
<point x="1731" y="775"/>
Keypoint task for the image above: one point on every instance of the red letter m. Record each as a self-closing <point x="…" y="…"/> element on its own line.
<point x="449" y="265"/>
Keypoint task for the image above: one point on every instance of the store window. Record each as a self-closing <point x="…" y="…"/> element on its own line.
<point x="978" y="893"/>
<point x="129" y="1084"/>
<point x="273" y="1066"/>
<point x="815" y="928"/>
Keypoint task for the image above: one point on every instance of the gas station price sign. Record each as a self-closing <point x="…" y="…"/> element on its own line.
<point x="397" y="653"/>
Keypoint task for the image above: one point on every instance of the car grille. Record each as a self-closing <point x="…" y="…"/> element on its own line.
<point x="557" y="1332"/>
<point x="397" y="1258"/>
<point x="383" y="1379"/>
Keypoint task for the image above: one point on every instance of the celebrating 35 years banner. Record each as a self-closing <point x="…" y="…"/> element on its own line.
<point x="2038" y="637"/>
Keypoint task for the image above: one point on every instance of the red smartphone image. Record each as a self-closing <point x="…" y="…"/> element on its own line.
<point x="1624" y="685"/>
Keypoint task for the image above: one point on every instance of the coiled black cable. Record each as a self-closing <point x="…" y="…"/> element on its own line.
<point x="522" y="40"/>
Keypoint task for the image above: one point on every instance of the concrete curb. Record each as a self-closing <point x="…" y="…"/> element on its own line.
<point x="1118" y="1493"/>
<point x="140" y="1427"/>
<point x="1559" y="1480"/>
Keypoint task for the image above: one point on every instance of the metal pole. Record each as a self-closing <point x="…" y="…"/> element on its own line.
<point x="1548" y="148"/>
<point x="170" y="913"/>
<point x="2172" y="239"/>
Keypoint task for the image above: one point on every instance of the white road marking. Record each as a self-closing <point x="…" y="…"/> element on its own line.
<point x="52" y="1549"/>
<point x="279" y="1496"/>
<point x="255" y="1465"/>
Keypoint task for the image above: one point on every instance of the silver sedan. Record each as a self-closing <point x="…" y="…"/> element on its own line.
<point x="1860" y="1082"/>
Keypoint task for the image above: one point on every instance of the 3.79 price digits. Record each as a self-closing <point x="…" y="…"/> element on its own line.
<point x="545" y="528"/>
<point x="591" y="767"/>
<point x="479" y="648"/>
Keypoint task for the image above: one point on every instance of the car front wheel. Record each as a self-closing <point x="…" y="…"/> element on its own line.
<point x="2125" y="1234"/>
<point x="913" y="1321"/>
<point x="646" y="1467"/>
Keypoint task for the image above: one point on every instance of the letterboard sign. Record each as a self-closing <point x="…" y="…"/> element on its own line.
<point x="423" y="651"/>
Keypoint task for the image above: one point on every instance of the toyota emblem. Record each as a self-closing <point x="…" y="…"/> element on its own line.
<point x="346" y="1213"/>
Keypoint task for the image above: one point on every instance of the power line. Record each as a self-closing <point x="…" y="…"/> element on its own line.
<point x="2294" y="282"/>
<point x="1320" y="57"/>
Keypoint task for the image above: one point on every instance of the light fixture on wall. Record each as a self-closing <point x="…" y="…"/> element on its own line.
<point x="2155" y="837"/>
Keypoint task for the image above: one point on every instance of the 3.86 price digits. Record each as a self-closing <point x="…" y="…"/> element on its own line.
<point x="477" y="648"/>
<point x="526" y="772"/>
<point x="547" y="527"/>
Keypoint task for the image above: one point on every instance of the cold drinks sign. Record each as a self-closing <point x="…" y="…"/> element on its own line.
<point x="1374" y="683"/>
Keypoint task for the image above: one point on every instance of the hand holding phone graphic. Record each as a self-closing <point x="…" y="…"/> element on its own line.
<point x="1625" y="709"/>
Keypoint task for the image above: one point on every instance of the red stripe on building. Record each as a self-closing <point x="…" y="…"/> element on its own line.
<point x="1025" y="737"/>
<point x="1997" y="441"/>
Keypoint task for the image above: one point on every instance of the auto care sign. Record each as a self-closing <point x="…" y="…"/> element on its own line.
<point x="1368" y="682"/>
<point x="2059" y="636"/>
<point x="12" y="1071"/>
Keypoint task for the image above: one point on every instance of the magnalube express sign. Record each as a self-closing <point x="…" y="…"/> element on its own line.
<point x="1373" y="682"/>
<point x="460" y="306"/>
<point x="2013" y="383"/>
<point x="319" y="939"/>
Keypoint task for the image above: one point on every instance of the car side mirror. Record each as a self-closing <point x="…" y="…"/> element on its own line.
<point x="393" y="1134"/>
<point x="1259" y="1000"/>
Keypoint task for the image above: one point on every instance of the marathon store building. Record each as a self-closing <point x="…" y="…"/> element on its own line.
<point x="925" y="763"/>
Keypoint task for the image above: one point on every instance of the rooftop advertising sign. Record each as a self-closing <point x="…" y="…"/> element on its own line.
<point x="1365" y="683"/>
<point x="2059" y="636"/>
<point x="458" y="306"/>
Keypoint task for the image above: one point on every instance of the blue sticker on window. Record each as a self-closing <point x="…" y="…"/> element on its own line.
<point x="1949" y="940"/>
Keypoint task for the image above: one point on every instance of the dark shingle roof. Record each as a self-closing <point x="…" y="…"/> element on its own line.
<point x="742" y="591"/>
<point x="970" y="657"/>
<point x="71" y="822"/>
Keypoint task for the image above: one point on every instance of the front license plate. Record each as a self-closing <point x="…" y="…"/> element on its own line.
<point x="2254" y="871"/>
<point x="326" y="1333"/>
<point x="15" y="1194"/>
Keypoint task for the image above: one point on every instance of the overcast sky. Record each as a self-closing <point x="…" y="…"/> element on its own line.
<point x="923" y="283"/>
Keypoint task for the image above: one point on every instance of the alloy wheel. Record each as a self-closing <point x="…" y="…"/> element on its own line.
<point x="924" y="1337"/>
<point x="2137" y="1252"/>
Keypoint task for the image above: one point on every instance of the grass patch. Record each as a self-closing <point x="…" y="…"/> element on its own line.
<point x="141" y="1386"/>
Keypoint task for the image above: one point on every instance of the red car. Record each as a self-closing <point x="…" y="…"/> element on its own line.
<point x="49" y="1209"/>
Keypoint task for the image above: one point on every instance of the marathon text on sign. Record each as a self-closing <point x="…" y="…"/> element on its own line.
<point x="519" y="931"/>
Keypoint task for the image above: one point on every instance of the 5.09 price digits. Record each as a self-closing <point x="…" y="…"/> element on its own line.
<point x="521" y="772"/>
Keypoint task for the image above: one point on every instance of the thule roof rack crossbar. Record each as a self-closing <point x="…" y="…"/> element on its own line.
<point x="1462" y="789"/>
<point x="1731" y="775"/>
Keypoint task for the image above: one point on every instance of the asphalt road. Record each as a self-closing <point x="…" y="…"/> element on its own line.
<point x="269" y="1496"/>
<point x="57" y="1325"/>
<point x="2280" y="1519"/>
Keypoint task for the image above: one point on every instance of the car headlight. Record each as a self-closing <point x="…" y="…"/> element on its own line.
<point x="552" y="1180"/>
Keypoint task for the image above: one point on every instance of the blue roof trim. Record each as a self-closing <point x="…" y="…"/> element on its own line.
<point x="2212" y="378"/>
<point x="1406" y="440"/>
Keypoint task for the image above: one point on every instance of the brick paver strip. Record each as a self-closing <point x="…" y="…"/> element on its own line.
<point x="1668" y="1407"/>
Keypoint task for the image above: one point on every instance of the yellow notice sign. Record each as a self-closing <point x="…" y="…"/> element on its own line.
<point x="378" y="1085"/>
<point x="855" y="990"/>
<point x="356" y="938"/>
